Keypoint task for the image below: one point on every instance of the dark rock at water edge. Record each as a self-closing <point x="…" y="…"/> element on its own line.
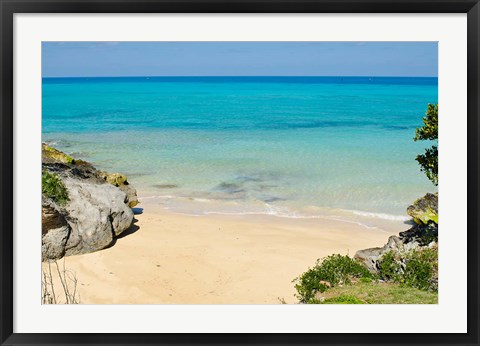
<point x="420" y="234"/>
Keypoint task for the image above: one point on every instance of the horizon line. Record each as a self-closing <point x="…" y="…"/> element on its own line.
<point x="249" y="76"/>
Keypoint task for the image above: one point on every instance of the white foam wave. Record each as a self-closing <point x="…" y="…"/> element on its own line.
<point x="154" y="197"/>
<point x="380" y="215"/>
<point x="340" y="215"/>
<point x="275" y="214"/>
<point x="351" y="221"/>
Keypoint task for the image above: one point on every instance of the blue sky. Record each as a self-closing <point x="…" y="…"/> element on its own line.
<point x="89" y="59"/>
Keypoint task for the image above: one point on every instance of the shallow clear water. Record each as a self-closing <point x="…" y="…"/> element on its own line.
<point x="292" y="145"/>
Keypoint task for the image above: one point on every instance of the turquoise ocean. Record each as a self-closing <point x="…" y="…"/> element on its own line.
<point x="287" y="146"/>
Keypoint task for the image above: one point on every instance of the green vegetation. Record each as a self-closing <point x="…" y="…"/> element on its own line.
<point x="378" y="293"/>
<point x="342" y="299"/>
<point x="331" y="271"/>
<point x="53" y="187"/>
<point x="389" y="267"/>
<point x="420" y="268"/>
<point x="429" y="131"/>
<point x="408" y="278"/>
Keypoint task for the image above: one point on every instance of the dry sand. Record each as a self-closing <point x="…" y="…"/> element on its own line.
<point x="169" y="258"/>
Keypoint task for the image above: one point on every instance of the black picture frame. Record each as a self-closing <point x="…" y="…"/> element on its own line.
<point x="10" y="7"/>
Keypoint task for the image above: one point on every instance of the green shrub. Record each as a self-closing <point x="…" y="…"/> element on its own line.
<point x="53" y="187"/>
<point x="334" y="270"/>
<point x="389" y="267"/>
<point x="429" y="132"/>
<point x="420" y="268"/>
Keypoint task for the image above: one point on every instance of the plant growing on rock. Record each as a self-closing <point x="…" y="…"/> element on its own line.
<point x="53" y="187"/>
<point x="417" y="268"/>
<point x="429" y="132"/>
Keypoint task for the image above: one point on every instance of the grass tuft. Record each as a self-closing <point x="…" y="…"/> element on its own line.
<point x="377" y="293"/>
<point x="343" y="299"/>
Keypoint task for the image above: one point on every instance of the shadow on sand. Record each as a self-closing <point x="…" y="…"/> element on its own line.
<point x="133" y="228"/>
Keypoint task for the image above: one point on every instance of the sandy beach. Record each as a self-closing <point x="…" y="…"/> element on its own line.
<point x="168" y="258"/>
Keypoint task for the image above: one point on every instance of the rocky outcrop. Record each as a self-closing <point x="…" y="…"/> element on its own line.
<point x="94" y="215"/>
<point x="131" y="193"/>
<point x="56" y="161"/>
<point x="55" y="230"/>
<point x="370" y="257"/>
<point x="424" y="232"/>
<point x="52" y="155"/>
<point x="120" y="180"/>
<point x="97" y="213"/>
<point x="425" y="210"/>
<point x="116" y="179"/>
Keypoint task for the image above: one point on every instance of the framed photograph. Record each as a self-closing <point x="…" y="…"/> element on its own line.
<point x="261" y="172"/>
